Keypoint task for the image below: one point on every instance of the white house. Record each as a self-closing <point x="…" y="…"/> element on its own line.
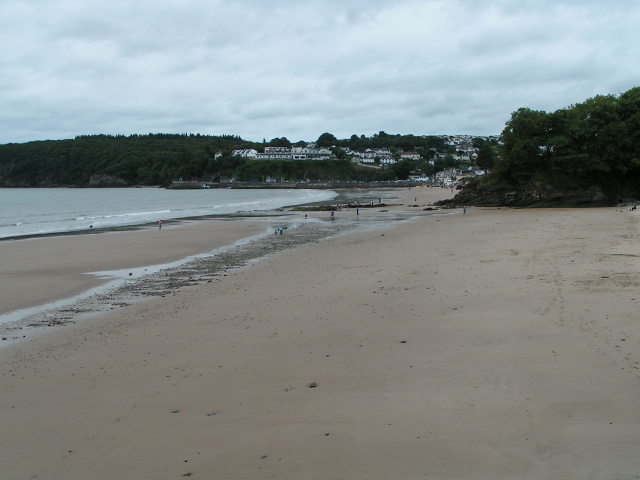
<point x="275" y="153"/>
<point x="307" y="153"/>
<point x="410" y="155"/>
<point x="245" y="153"/>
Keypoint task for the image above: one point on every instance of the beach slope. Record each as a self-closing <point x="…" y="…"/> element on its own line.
<point x="498" y="344"/>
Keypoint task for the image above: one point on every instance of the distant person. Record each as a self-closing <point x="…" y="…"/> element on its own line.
<point x="159" y="224"/>
<point x="332" y="216"/>
<point x="464" y="210"/>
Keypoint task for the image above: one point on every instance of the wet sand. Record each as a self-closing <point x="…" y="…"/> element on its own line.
<point x="499" y="344"/>
<point x="38" y="270"/>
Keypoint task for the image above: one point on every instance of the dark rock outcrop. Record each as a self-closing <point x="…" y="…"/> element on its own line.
<point x="105" y="180"/>
<point x="497" y="194"/>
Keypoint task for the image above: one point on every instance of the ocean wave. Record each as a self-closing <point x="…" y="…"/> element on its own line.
<point x="47" y="211"/>
<point x="125" y="214"/>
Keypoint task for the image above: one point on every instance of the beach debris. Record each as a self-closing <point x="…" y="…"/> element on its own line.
<point x="199" y="271"/>
<point x="313" y="385"/>
<point x="74" y="310"/>
<point x="175" y="411"/>
<point x="53" y="322"/>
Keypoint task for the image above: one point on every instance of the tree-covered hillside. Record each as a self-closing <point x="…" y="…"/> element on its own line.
<point x="591" y="149"/>
<point x="157" y="159"/>
<point x="136" y="159"/>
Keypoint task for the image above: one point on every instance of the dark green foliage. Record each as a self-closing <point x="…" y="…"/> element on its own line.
<point x="421" y="144"/>
<point x="592" y="144"/>
<point x="157" y="159"/>
<point x="486" y="157"/>
<point x="280" y="142"/>
<point x="326" y="140"/>
<point x="137" y="159"/>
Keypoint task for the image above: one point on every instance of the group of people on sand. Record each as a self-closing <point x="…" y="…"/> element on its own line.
<point x="333" y="213"/>
<point x="280" y="230"/>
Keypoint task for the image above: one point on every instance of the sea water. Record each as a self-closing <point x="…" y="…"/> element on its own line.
<point x="41" y="211"/>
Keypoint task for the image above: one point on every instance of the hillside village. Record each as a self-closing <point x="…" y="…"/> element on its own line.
<point x="460" y="147"/>
<point x="185" y="159"/>
<point x="463" y="145"/>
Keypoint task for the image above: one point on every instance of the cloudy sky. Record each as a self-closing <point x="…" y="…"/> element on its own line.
<point x="298" y="68"/>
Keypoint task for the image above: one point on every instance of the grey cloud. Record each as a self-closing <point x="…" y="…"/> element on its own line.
<point x="297" y="69"/>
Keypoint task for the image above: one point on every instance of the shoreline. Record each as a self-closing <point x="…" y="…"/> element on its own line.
<point x="143" y="226"/>
<point x="343" y="195"/>
<point x="32" y="298"/>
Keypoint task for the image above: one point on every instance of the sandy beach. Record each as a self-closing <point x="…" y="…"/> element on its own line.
<point x="497" y="344"/>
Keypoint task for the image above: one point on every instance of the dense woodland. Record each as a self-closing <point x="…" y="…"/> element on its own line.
<point x="136" y="159"/>
<point x="157" y="159"/>
<point x="595" y="143"/>
<point x="591" y="144"/>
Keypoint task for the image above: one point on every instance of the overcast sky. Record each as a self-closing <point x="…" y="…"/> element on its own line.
<point x="299" y="68"/>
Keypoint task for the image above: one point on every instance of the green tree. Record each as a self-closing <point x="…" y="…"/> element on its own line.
<point x="402" y="169"/>
<point x="326" y="140"/>
<point x="280" y="142"/>
<point x="486" y="157"/>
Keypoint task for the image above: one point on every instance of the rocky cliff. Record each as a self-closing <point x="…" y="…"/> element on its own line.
<point x="530" y="195"/>
<point x="104" y="180"/>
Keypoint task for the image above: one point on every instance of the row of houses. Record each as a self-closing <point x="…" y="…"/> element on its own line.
<point x="382" y="155"/>
<point x="285" y="153"/>
<point x="463" y="150"/>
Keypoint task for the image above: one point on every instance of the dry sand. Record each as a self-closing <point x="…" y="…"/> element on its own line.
<point x="499" y="344"/>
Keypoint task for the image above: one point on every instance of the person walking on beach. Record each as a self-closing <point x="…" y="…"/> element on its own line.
<point x="332" y="216"/>
<point x="464" y="210"/>
<point x="159" y="224"/>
